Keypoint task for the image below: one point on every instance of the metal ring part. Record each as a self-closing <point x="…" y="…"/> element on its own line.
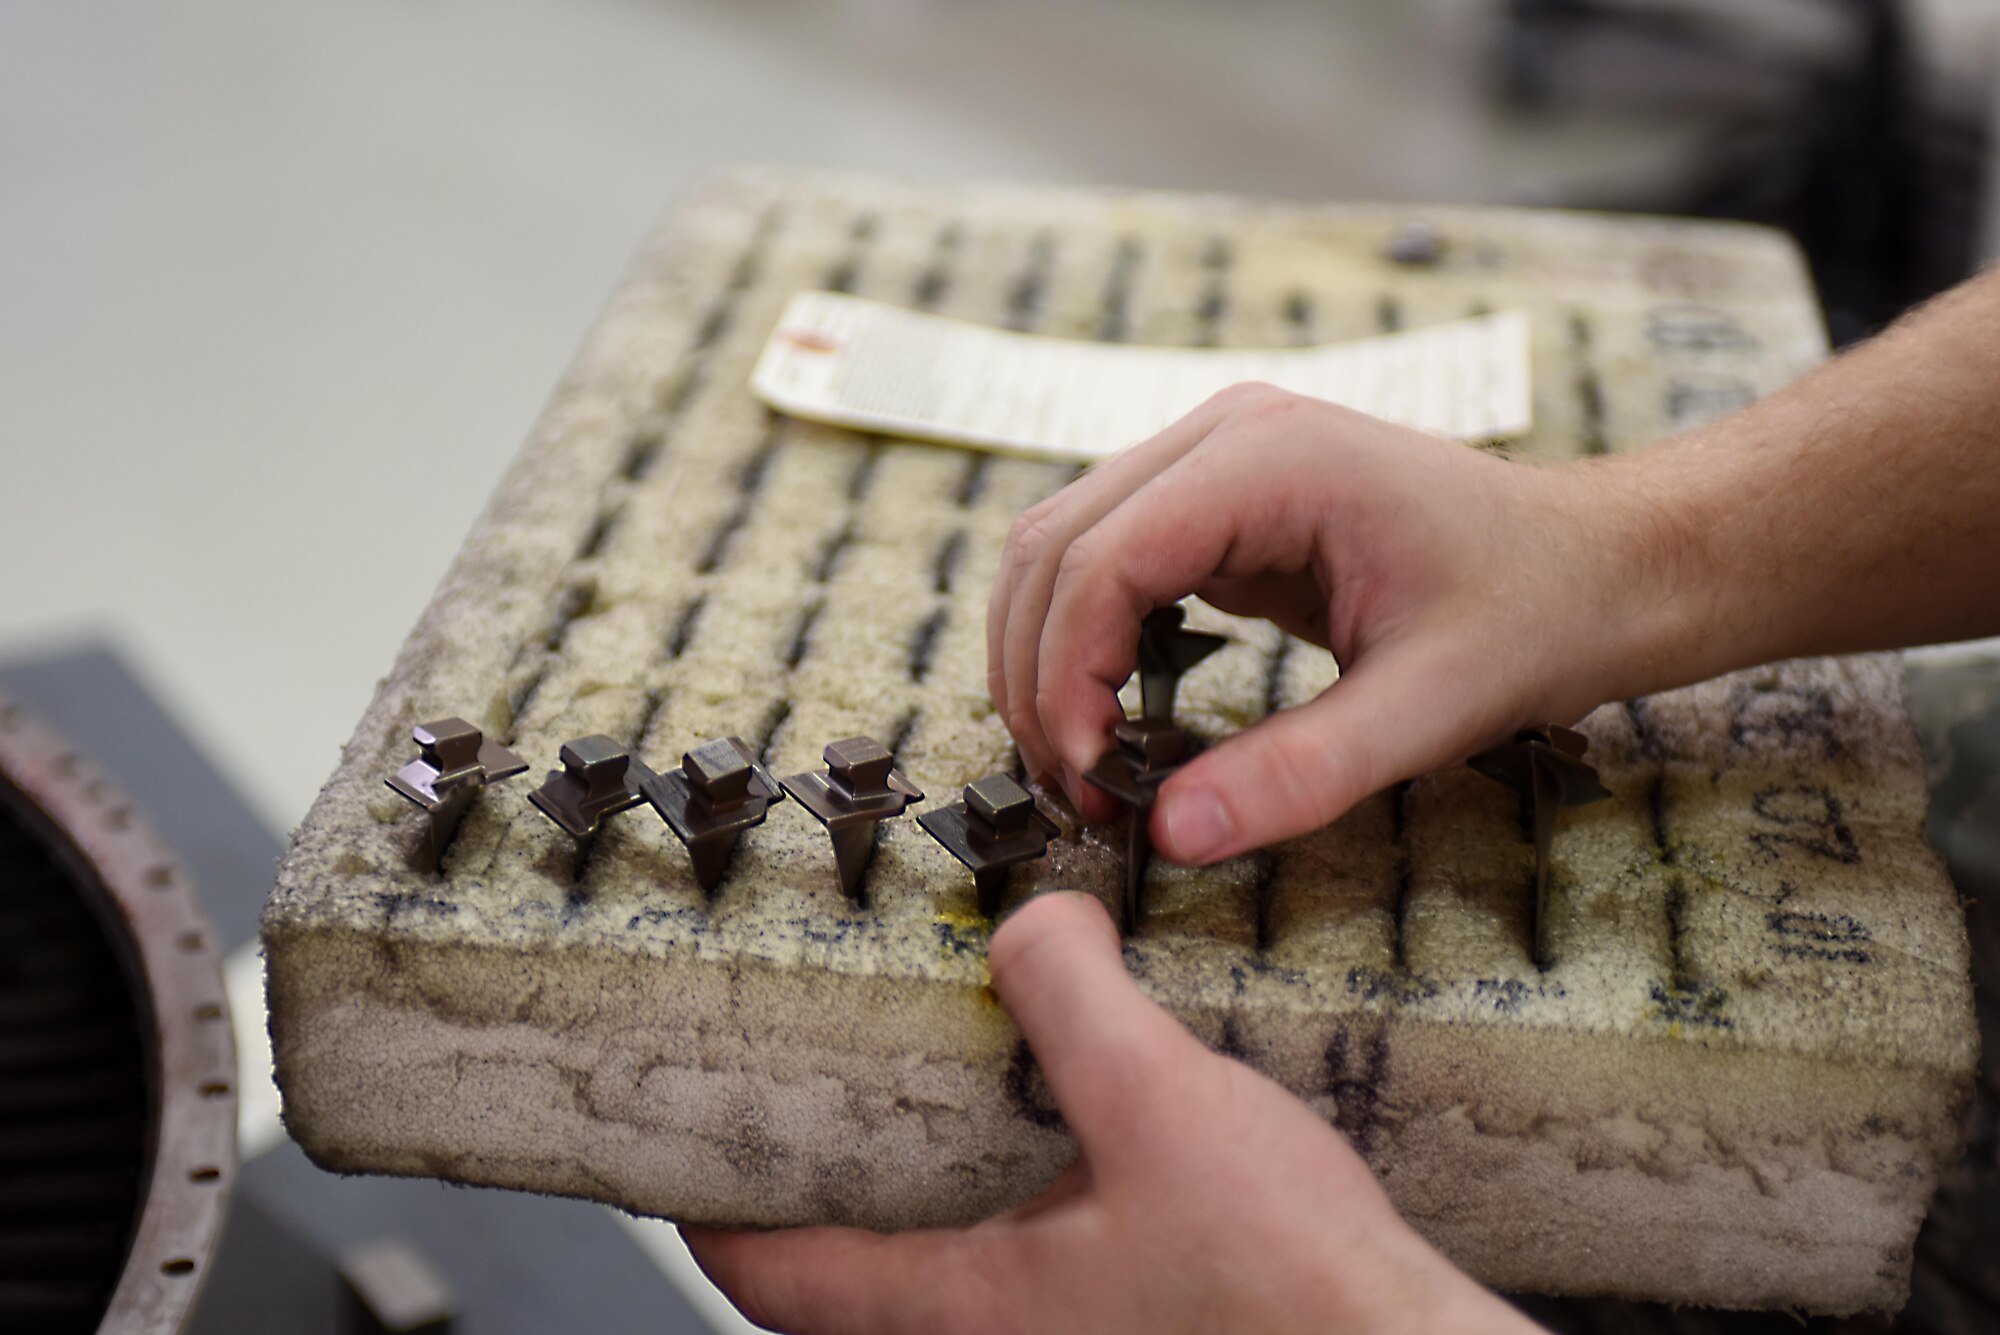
<point x="146" y="905"/>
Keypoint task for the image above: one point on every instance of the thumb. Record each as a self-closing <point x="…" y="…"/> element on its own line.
<point x="1110" y="1053"/>
<point x="1397" y="714"/>
<point x="833" y="1281"/>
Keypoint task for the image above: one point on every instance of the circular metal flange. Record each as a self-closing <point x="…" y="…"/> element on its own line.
<point x="147" y="906"/>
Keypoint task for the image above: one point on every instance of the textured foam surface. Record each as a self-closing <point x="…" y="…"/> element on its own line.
<point x="1737" y="1084"/>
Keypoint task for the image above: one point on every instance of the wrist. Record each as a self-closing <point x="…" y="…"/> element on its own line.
<point x="1666" y="612"/>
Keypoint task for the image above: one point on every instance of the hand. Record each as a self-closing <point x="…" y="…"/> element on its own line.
<point x="1206" y="1198"/>
<point x="1464" y="596"/>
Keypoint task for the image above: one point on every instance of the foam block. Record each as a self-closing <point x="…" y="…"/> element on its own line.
<point x="1737" y="1084"/>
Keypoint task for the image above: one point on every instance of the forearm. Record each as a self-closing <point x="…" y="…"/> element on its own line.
<point x="1857" y="509"/>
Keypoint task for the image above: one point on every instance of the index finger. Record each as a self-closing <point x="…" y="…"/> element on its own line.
<point x="1036" y="544"/>
<point x="1200" y="519"/>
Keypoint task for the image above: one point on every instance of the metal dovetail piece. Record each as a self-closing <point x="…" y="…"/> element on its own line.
<point x="996" y="826"/>
<point x="1147" y="752"/>
<point x="1166" y="653"/>
<point x="454" y="762"/>
<point x="1148" y="749"/>
<point x="1546" y="767"/>
<point x="718" y="792"/>
<point x="598" y="779"/>
<point x="859" y="788"/>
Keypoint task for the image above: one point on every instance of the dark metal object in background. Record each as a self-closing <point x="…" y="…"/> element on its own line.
<point x="1166" y="653"/>
<point x="1146" y="752"/>
<point x="599" y="778"/>
<point x="1546" y="767"/>
<point x="521" y="1264"/>
<point x="860" y="788"/>
<point x="1879" y="176"/>
<point x="996" y="826"/>
<point x="456" y="761"/>
<point x="388" y="1288"/>
<point x="719" y="791"/>
<point x="117" y="1063"/>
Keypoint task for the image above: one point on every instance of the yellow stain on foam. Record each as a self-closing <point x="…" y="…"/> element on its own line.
<point x="1674" y="1029"/>
<point x="968" y="923"/>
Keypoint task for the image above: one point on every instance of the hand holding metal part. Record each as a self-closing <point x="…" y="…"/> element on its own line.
<point x="1147" y="750"/>
<point x="1166" y="653"/>
<point x="1546" y="767"/>
<point x="454" y="762"/>
<point x="1404" y="556"/>
<point x="1146" y="753"/>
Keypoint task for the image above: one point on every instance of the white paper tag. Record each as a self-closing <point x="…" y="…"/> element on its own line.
<point x="862" y="364"/>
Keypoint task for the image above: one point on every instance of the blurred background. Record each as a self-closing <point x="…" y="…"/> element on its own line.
<point x="281" y="287"/>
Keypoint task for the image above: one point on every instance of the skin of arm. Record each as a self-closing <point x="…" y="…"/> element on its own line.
<point x="1857" y="509"/>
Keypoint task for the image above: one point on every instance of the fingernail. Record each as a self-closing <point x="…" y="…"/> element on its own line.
<point x="1198" y="827"/>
